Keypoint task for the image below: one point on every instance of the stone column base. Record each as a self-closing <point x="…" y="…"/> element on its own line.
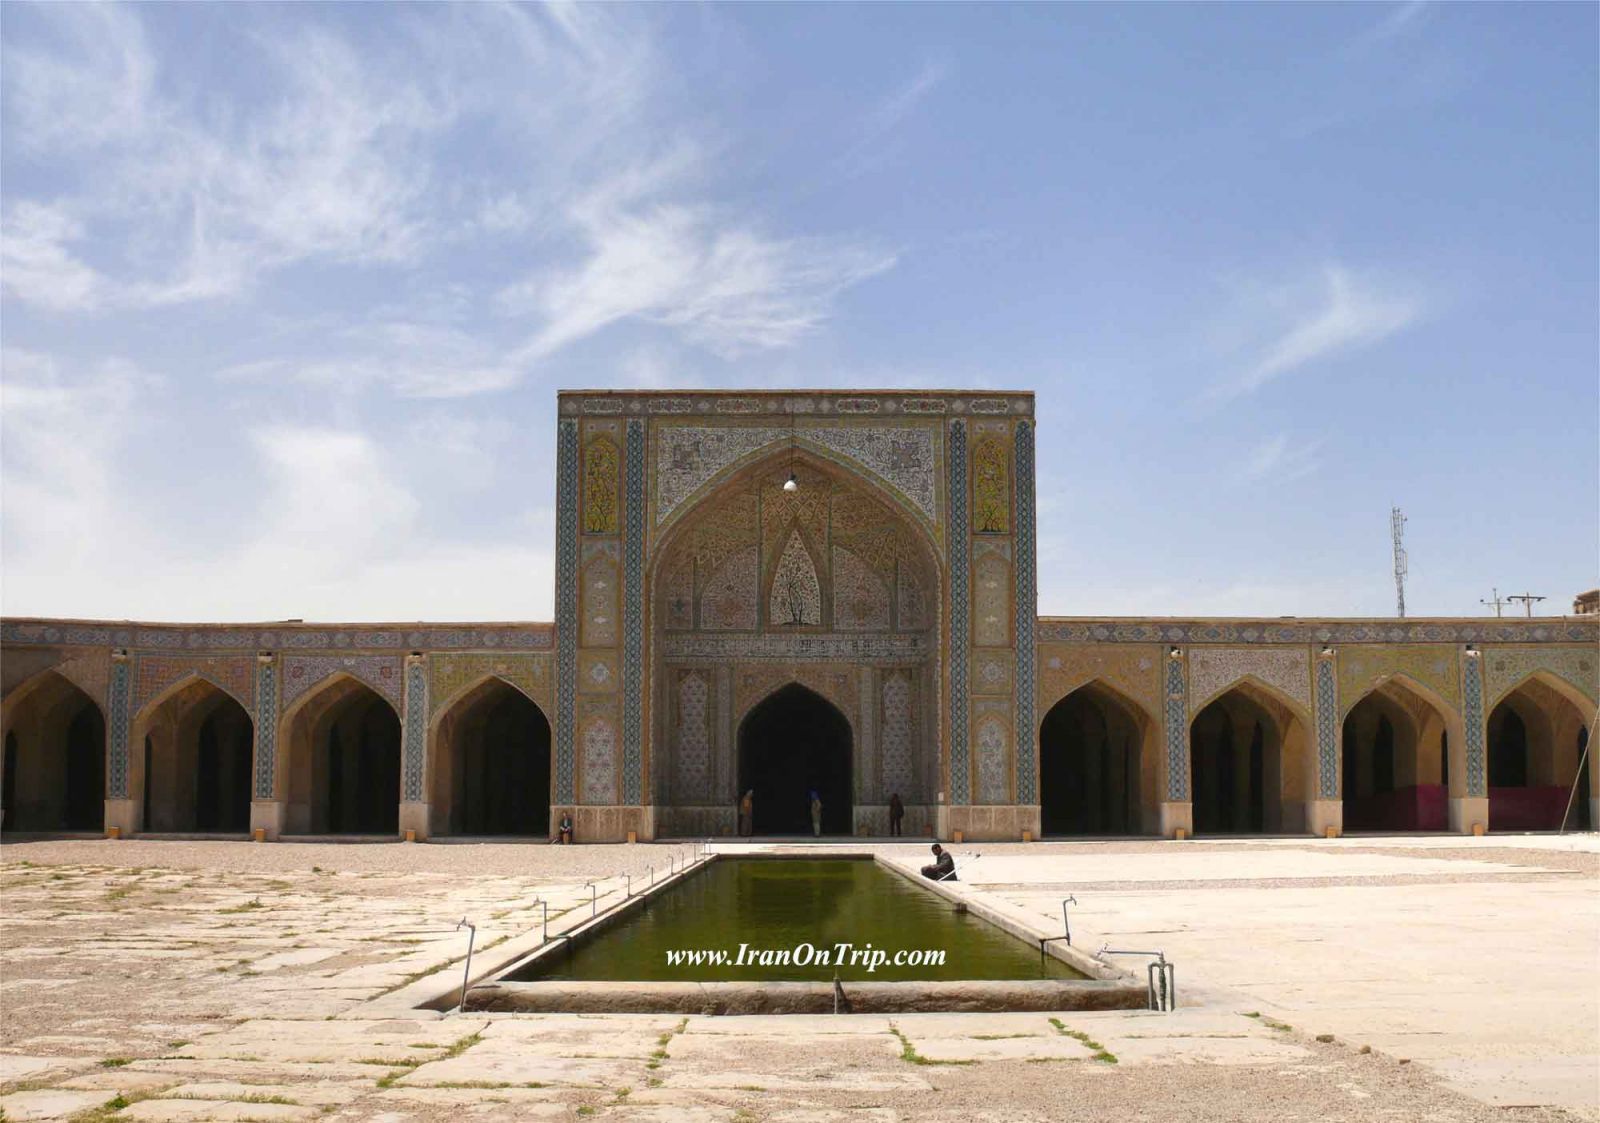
<point x="1324" y="816"/>
<point x="606" y="824"/>
<point x="1176" y="817"/>
<point x="1594" y="814"/>
<point x="267" y="815"/>
<point x="1468" y="813"/>
<point x="992" y="823"/>
<point x="122" y="815"/>
<point x="414" y="817"/>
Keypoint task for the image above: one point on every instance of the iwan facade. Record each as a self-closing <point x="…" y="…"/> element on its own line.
<point x="788" y="593"/>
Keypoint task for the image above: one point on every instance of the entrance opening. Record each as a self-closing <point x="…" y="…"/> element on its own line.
<point x="1089" y="765"/>
<point x="55" y="760"/>
<point x="1393" y="772"/>
<point x="344" y="763"/>
<point x="492" y="775"/>
<point x="1251" y="763"/>
<point x="195" y="762"/>
<point x="1534" y="747"/>
<point x="793" y="743"/>
<point x="1229" y="766"/>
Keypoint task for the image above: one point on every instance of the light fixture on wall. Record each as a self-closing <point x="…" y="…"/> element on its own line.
<point x="793" y="482"/>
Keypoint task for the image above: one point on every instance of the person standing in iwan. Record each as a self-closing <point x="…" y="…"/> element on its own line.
<point x="747" y="814"/>
<point x="816" y="815"/>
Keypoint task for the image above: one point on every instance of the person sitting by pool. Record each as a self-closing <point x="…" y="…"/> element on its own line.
<point x="564" y="832"/>
<point x="943" y="868"/>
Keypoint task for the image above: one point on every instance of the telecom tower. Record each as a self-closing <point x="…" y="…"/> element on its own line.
<point x="1397" y="527"/>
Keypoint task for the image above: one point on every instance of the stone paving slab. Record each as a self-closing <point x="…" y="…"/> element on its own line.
<point x="221" y="1111"/>
<point x="757" y="1080"/>
<point x="717" y="1047"/>
<point x="319" y="1093"/>
<point x="48" y="1103"/>
<point x="521" y="1067"/>
<point x="794" y="1025"/>
<point x="1029" y="1048"/>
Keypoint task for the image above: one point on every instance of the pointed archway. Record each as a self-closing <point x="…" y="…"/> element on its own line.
<point x="342" y="773"/>
<point x="191" y="771"/>
<point x="55" y="757"/>
<point x="1536" y="732"/>
<point x="491" y="765"/>
<point x="792" y="743"/>
<point x="1096" y="776"/>
<point x="1394" y="761"/>
<point x="1251" y="762"/>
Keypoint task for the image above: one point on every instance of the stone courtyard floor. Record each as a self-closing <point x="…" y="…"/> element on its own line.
<point x="1400" y="979"/>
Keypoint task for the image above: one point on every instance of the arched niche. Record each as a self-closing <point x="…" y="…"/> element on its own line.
<point x="490" y="763"/>
<point x="190" y="760"/>
<point x="1394" y="760"/>
<point x="1099" y="758"/>
<point x="1250" y="762"/>
<point x="340" y="766"/>
<point x="54" y="764"/>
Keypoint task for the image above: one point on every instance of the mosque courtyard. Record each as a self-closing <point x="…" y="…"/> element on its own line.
<point x="1362" y="978"/>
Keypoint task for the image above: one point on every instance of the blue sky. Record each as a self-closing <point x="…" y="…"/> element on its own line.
<point x="288" y="290"/>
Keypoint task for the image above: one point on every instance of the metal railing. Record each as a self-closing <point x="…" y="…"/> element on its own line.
<point x="1162" y="978"/>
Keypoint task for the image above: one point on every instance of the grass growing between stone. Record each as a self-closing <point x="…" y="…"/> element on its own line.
<point x="909" y="1054"/>
<point x="1101" y="1053"/>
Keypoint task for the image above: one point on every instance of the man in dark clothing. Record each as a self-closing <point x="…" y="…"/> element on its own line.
<point x="943" y="868"/>
<point x="897" y="812"/>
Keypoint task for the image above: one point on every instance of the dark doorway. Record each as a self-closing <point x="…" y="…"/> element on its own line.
<point x="1088" y="767"/>
<point x="86" y="771"/>
<point x="794" y="743"/>
<point x="1579" y="798"/>
<point x="8" y="790"/>
<point x="1508" y="749"/>
<point x="222" y="759"/>
<point x="1229" y="766"/>
<point x="497" y="777"/>
<point x="362" y="755"/>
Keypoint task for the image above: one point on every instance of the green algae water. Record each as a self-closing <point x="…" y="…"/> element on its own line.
<point x="773" y="906"/>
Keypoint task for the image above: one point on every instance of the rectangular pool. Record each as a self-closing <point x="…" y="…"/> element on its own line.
<point x="777" y="906"/>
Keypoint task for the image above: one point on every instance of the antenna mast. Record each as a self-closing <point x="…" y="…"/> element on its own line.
<point x="1397" y="527"/>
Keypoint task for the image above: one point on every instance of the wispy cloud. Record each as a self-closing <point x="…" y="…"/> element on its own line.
<point x="1314" y="321"/>
<point x="1280" y="459"/>
<point x="1399" y="20"/>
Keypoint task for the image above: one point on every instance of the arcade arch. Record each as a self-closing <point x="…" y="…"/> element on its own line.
<point x="1098" y="756"/>
<point x="1394" y="760"/>
<point x="491" y="764"/>
<point x="341" y="768"/>
<point x="190" y="764"/>
<point x="54" y="757"/>
<point x="1535" y="734"/>
<point x="1250" y="763"/>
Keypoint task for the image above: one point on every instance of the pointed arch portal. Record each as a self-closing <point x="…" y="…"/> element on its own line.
<point x="792" y="743"/>
<point x="492" y="764"/>
<point x="192" y="769"/>
<point x="1535" y="740"/>
<point x="343" y="762"/>
<point x="1092" y="775"/>
<point x="55" y="758"/>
